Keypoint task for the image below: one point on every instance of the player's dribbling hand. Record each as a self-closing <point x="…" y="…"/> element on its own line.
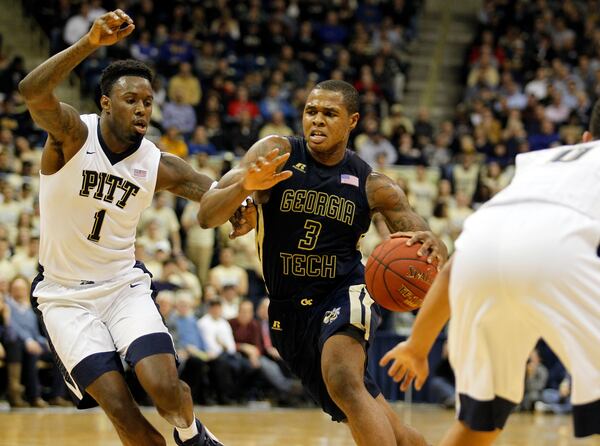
<point x="432" y="246"/>
<point x="263" y="173"/>
<point x="407" y="366"/>
<point x="244" y="219"/>
<point x="108" y="28"/>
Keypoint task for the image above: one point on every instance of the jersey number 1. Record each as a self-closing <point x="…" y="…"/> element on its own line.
<point x="94" y="236"/>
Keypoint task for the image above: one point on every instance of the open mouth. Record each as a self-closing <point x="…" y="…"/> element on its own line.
<point x="317" y="137"/>
<point x="140" y="127"/>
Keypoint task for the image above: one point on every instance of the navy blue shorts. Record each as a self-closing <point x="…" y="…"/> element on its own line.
<point x="300" y="328"/>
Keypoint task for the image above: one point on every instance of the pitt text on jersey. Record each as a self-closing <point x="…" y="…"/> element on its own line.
<point x="95" y="182"/>
<point x="318" y="204"/>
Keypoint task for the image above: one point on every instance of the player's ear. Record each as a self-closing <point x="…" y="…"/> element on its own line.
<point x="105" y="103"/>
<point x="587" y="137"/>
<point x="354" y="117"/>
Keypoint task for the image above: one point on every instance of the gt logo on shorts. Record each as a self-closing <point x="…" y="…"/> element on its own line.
<point x="306" y="302"/>
<point x="331" y="315"/>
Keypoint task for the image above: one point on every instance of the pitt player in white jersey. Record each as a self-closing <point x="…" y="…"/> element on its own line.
<point x="526" y="267"/>
<point x="98" y="174"/>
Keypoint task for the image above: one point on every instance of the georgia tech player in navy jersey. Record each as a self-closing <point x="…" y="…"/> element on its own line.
<point x="308" y="228"/>
<point x="98" y="173"/>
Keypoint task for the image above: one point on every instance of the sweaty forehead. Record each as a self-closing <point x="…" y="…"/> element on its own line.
<point x="325" y="98"/>
<point x="133" y="84"/>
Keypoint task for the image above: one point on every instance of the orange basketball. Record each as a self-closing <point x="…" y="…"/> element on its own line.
<point x="396" y="277"/>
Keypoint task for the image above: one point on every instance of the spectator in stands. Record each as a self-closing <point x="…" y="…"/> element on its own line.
<point x="36" y="348"/>
<point x="185" y="85"/>
<point x="172" y="141"/>
<point x="199" y="242"/>
<point x="166" y="218"/>
<point x="423" y="125"/>
<point x="220" y="345"/>
<point x="230" y="300"/>
<point x="11" y="351"/>
<point x="176" y="113"/>
<point x="557" y="401"/>
<point x="535" y="381"/>
<point x="175" y="50"/>
<point x="372" y="143"/>
<point x="244" y="133"/>
<point x="191" y="347"/>
<point x="248" y="341"/>
<point x="7" y="269"/>
<point x="227" y="273"/>
<point x="25" y="261"/>
<point x="199" y="142"/>
<point x="242" y="103"/>
<point x="144" y="49"/>
<point x="422" y="193"/>
<point x="466" y="174"/>
<point x="408" y="153"/>
<point x="275" y="102"/>
<point x="546" y="137"/>
<point x="78" y="24"/>
<point x="275" y="126"/>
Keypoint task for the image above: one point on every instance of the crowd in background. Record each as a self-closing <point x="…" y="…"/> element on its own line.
<point x="230" y="72"/>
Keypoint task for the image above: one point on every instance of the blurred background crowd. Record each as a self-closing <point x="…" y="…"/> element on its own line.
<point x="231" y="72"/>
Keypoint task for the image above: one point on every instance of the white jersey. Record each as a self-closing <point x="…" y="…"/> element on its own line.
<point x="569" y="176"/>
<point x="90" y="208"/>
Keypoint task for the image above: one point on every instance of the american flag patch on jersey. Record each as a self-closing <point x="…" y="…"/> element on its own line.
<point x="349" y="179"/>
<point x="140" y="173"/>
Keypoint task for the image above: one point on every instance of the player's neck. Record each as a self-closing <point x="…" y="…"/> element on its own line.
<point x="113" y="143"/>
<point x="332" y="157"/>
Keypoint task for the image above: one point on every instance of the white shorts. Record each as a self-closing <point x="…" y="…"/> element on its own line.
<point x="522" y="272"/>
<point x="93" y="327"/>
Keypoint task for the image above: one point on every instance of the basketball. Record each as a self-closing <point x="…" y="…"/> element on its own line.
<point x="396" y="277"/>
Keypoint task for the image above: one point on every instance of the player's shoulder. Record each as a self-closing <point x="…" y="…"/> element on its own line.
<point x="270" y="142"/>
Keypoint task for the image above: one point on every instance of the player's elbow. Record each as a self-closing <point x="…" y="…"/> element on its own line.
<point x="26" y="89"/>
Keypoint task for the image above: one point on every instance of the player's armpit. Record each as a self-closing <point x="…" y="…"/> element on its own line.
<point x="179" y="178"/>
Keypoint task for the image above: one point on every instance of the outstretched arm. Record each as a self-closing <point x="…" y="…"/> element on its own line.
<point x="179" y="178"/>
<point x="387" y="198"/>
<point x="410" y="357"/>
<point x="258" y="170"/>
<point x="66" y="131"/>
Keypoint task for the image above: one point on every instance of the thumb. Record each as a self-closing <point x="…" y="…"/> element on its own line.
<point x="122" y="33"/>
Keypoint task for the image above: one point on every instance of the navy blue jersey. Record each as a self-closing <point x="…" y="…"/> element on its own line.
<point x="309" y="230"/>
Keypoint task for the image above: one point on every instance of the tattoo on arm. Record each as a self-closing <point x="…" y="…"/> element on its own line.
<point x="406" y="221"/>
<point x="387" y="197"/>
<point x="178" y="177"/>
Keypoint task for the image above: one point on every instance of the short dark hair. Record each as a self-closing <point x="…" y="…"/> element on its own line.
<point x="595" y="121"/>
<point x="120" y="68"/>
<point x="349" y="93"/>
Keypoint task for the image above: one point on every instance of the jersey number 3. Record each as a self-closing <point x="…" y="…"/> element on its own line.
<point x="309" y="241"/>
<point x="94" y="236"/>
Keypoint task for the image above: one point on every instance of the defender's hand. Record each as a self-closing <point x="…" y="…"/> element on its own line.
<point x="433" y="247"/>
<point x="244" y="220"/>
<point x="263" y="173"/>
<point x="107" y="29"/>
<point x="408" y="364"/>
